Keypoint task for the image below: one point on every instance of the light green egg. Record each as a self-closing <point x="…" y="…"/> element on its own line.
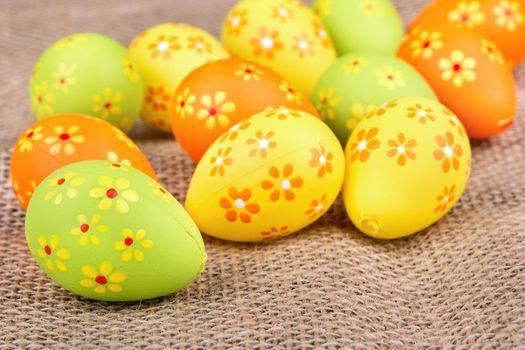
<point x="358" y="84"/>
<point x="106" y="231"/>
<point x="90" y="74"/>
<point x="361" y="25"/>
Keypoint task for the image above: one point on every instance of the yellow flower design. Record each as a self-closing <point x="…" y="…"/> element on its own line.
<point x="354" y="65"/>
<point x="458" y="68"/>
<point x="107" y="104"/>
<point x="372" y="8"/>
<point x="64" y="186"/>
<point x="359" y="111"/>
<point x="184" y="103"/>
<point x="116" y="191"/>
<point x="216" y="110"/>
<point x="123" y="137"/>
<point x="53" y="256"/>
<point x="326" y="103"/>
<point x="19" y="196"/>
<point x="130" y="70"/>
<point x="466" y="14"/>
<point x="114" y="158"/>
<point x="87" y="229"/>
<point x="131" y="245"/>
<point x="42" y="100"/>
<point x="64" y="140"/>
<point x="292" y="94"/>
<point x="69" y="41"/>
<point x="491" y="50"/>
<point x="103" y="279"/>
<point x="248" y="72"/>
<point x="426" y="43"/>
<point x="25" y="144"/>
<point x="390" y="78"/>
<point x="508" y="14"/>
<point x="64" y="77"/>
<point x="161" y="192"/>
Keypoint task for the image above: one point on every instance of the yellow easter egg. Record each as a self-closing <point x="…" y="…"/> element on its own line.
<point x="407" y="164"/>
<point x="268" y="176"/>
<point x="165" y="54"/>
<point x="286" y="36"/>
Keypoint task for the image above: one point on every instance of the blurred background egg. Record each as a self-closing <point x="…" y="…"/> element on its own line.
<point x="286" y="36"/>
<point x="89" y="227"/>
<point x="87" y="73"/>
<point x="277" y="173"/>
<point x="361" y="25"/>
<point x="357" y="84"/>
<point x="407" y="164"/>
<point x="500" y="21"/>
<point x="165" y="54"/>
<point x="217" y="95"/>
<point x="468" y="74"/>
<point x="62" y="139"/>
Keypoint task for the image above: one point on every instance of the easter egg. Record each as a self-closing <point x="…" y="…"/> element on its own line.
<point x="500" y="21"/>
<point x="165" y="54"/>
<point x="87" y="73"/>
<point x="286" y="36"/>
<point x="99" y="240"/>
<point x="219" y="94"/>
<point x="62" y="139"/>
<point x="357" y="84"/>
<point x="361" y="25"/>
<point x="275" y="173"/>
<point x="468" y="74"/>
<point x="407" y="164"/>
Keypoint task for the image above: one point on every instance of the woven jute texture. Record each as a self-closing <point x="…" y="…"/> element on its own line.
<point x="458" y="284"/>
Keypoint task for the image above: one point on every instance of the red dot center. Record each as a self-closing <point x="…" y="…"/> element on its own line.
<point x="323" y="101"/>
<point x="390" y="77"/>
<point x="426" y="44"/>
<point x="128" y="241"/>
<point x="30" y="135"/>
<point x="61" y="181"/>
<point x="249" y="71"/>
<point x="116" y="165"/>
<point x="464" y="18"/>
<point x="47" y="249"/>
<point x="111" y="193"/>
<point x="101" y="279"/>
<point x="213" y="111"/>
<point x="62" y="81"/>
<point x="84" y="228"/>
<point x="182" y="103"/>
<point x="64" y="136"/>
<point x="162" y="190"/>
<point x="457" y="67"/>
<point x="107" y="105"/>
<point x="509" y="13"/>
<point x="39" y="99"/>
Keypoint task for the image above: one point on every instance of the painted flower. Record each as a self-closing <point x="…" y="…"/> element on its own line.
<point x="32" y="188"/>
<point x="321" y="159"/>
<point x="248" y="72"/>
<point x="64" y="78"/>
<point x="235" y="22"/>
<point x="237" y="205"/>
<point x="317" y="207"/>
<point x="52" y="254"/>
<point x="157" y="98"/>
<point x="402" y="149"/>
<point x="116" y="191"/>
<point x="88" y="229"/>
<point x="458" y="68"/>
<point x="107" y="104"/>
<point x="354" y="65"/>
<point x="275" y="233"/>
<point x="103" y="279"/>
<point x="364" y="143"/>
<point x="326" y="103"/>
<point x="359" y="111"/>
<point x="321" y="34"/>
<point x="220" y="161"/>
<point x="164" y="46"/>
<point x="25" y="144"/>
<point x="421" y="113"/>
<point x="132" y="245"/>
<point x="454" y="121"/>
<point x="69" y="41"/>
<point x="303" y="45"/>
<point x="292" y="94"/>
<point x="445" y="199"/>
<point x="184" y="103"/>
<point x="161" y="192"/>
<point x="282" y="13"/>
<point x="372" y="8"/>
<point x="19" y="196"/>
<point x="282" y="113"/>
<point x="114" y="158"/>
<point x="130" y="70"/>
<point x="508" y="14"/>
<point x="390" y="78"/>
<point x="466" y="14"/>
<point x="43" y="100"/>
<point x="491" y="50"/>
<point x="426" y="43"/>
<point x="123" y="137"/>
<point x="282" y="182"/>
<point x="263" y="143"/>
<point x="448" y="152"/>
<point x="64" y="140"/>
<point x="266" y="43"/>
<point x="216" y="110"/>
<point x="64" y="186"/>
<point x="232" y="134"/>
<point x="199" y="44"/>
<point x="382" y="109"/>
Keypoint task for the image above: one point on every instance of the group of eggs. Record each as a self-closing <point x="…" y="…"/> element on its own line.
<point x="267" y="127"/>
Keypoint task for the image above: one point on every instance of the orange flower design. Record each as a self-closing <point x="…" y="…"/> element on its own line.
<point x="363" y="144"/>
<point x="164" y="46"/>
<point x="235" y="22"/>
<point x="419" y="112"/>
<point x="317" y="207"/>
<point x="282" y="182"/>
<point x="234" y="131"/>
<point x="262" y="142"/>
<point x="401" y="149"/>
<point x="303" y="45"/>
<point x="382" y="109"/>
<point x="199" y="44"/>
<point x="454" y="121"/>
<point x="237" y="205"/>
<point x="321" y="34"/>
<point x="275" y="232"/>
<point x="448" y="152"/>
<point x="220" y="161"/>
<point x="321" y="158"/>
<point x="267" y="43"/>
<point x="282" y="13"/>
<point x="281" y="113"/>
<point x="158" y="98"/>
<point x="445" y="199"/>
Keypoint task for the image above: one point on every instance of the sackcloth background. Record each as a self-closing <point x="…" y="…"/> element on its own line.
<point x="458" y="284"/>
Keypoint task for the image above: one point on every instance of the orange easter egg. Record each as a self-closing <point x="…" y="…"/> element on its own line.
<point x="62" y="139"/>
<point x="468" y="74"/>
<point x="218" y="95"/>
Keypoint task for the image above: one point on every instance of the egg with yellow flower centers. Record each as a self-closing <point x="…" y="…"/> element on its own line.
<point x="90" y="74"/>
<point x="89" y="227"/>
<point x="407" y="164"/>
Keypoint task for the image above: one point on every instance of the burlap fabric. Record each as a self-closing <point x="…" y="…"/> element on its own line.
<point x="460" y="283"/>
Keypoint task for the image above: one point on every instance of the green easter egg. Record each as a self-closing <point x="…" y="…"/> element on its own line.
<point x="358" y="84"/>
<point x="361" y="25"/>
<point x="106" y="231"/>
<point x="89" y="74"/>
